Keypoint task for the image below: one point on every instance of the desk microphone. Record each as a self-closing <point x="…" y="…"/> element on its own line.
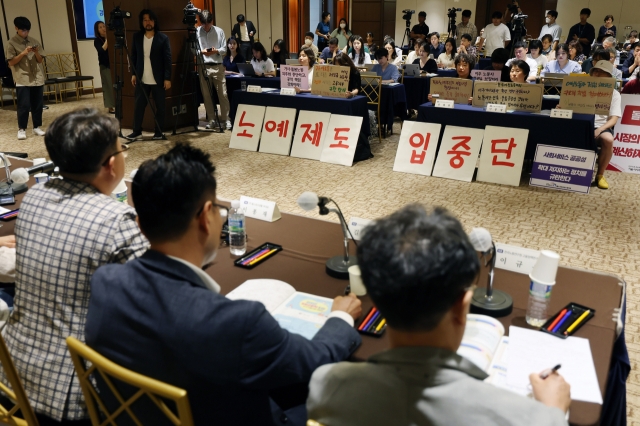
<point x="22" y="174"/>
<point x="494" y="303"/>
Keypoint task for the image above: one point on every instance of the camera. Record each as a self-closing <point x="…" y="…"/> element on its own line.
<point x="190" y="13"/>
<point x="116" y="20"/>
<point x="451" y="13"/>
<point x="407" y="14"/>
<point x="520" y="17"/>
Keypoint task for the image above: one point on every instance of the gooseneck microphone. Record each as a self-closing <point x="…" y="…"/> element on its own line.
<point x="22" y="174"/>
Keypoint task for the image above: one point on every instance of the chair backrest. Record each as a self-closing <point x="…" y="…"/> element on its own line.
<point x="313" y="423"/>
<point x="372" y="88"/>
<point x="69" y="64"/>
<point x="401" y="75"/>
<point x="18" y="396"/>
<point x="52" y="66"/>
<point x="552" y="85"/>
<point x="155" y="390"/>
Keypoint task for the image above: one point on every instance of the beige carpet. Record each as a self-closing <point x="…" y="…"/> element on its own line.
<point x="599" y="231"/>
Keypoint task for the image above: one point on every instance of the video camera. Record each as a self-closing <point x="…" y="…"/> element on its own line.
<point x="451" y="13"/>
<point x="407" y="14"/>
<point x="116" y="20"/>
<point x="190" y="13"/>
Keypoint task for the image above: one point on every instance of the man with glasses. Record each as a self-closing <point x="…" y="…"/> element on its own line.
<point x="163" y="316"/>
<point x="66" y="229"/>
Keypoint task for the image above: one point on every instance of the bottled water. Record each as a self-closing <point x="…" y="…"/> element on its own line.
<point x="237" y="234"/>
<point x="539" y="298"/>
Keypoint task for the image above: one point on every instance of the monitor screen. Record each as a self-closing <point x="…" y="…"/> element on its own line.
<point x="86" y="13"/>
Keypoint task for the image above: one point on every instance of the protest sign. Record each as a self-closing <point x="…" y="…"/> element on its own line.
<point x="626" y="137"/>
<point x="486" y="75"/>
<point x="564" y="169"/>
<point x="458" y="90"/>
<point x="587" y="95"/>
<point x="516" y="96"/>
<point x="294" y="76"/>
<point x="330" y="80"/>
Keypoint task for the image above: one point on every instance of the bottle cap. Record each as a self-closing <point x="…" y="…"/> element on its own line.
<point x="235" y="204"/>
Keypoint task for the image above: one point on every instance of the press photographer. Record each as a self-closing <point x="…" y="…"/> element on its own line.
<point x="420" y="30"/>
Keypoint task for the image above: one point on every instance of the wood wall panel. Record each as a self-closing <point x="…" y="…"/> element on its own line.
<point x="378" y="17"/>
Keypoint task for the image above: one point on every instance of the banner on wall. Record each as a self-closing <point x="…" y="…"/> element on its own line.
<point x="626" y="137"/>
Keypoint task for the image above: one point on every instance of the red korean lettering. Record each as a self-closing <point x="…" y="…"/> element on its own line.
<point x="314" y="136"/>
<point x="417" y="140"/>
<point x="459" y="150"/>
<point x="339" y="138"/>
<point x="243" y="124"/>
<point x="282" y="127"/>
<point x="507" y="151"/>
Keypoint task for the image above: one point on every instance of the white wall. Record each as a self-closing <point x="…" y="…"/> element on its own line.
<point x="436" y="14"/>
<point x="266" y="15"/>
<point x="625" y="12"/>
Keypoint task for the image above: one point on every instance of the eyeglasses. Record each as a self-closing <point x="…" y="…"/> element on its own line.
<point x="123" y="151"/>
<point x="224" y="210"/>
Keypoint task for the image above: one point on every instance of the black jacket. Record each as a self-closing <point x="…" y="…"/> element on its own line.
<point x="250" y="27"/>
<point x="160" y="56"/>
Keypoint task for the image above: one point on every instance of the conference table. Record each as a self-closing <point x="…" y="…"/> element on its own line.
<point x="393" y="103"/>
<point x="234" y="82"/>
<point x="307" y="244"/>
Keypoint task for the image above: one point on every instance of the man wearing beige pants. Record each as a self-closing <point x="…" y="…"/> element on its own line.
<point x="213" y="46"/>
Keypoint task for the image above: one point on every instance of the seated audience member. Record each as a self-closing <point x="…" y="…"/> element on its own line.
<point x="384" y="69"/>
<point x="355" y="83"/>
<point x="466" y="47"/>
<point x="519" y="71"/>
<point x="562" y="64"/>
<point x="611" y="42"/>
<point x="232" y="58"/>
<point x="598" y="55"/>
<point x="480" y="36"/>
<point x="464" y="64"/>
<point x="228" y="355"/>
<point x="547" y="45"/>
<point x="520" y="50"/>
<point x="499" y="58"/>
<point x="392" y="54"/>
<point x="435" y="47"/>
<point x="371" y="45"/>
<point x="306" y="58"/>
<point x="330" y="51"/>
<point x="632" y="62"/>
<point x="419" y="269"/>
<point x="8" y="259"/>
<point x="66" y="229"/>
<point x="445" y="59"/>
<point x="415" y="53"/>
<point x="617" y="74"/>
<point x="308" y="42"/>
<point x="426" y="64"/>
<point x="387" y="40"/>
<point x="279" y="53"/>
<point x="262" y="64"/>
<point x="632" y="87"/>
<point x="535" y="47"/>
<point x="358" y="55"/>
<point x="575" y="52"/>
<point x="633" y="38"/>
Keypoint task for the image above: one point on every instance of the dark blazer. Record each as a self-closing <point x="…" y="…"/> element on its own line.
<point x="153" y="316"/>
<point x="236" y="31"/>
<point x="160" y="56"/>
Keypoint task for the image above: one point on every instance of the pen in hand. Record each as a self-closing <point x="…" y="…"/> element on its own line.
<point x="548" y="372"/>
<point x="347" y="290"/>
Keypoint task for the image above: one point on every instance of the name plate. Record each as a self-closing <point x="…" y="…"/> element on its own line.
<point x="496" y="108"/>
<point x="441" y="103"/>
<point x="562" y="113"/>
<point x="254" y="89"/>
<point x="259" y="209"/>
<point x="288" y="91"/>
<point x="356" y="225"/>
<point x="516" y="259"/>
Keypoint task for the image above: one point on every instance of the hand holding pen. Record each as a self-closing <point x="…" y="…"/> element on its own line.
<point x="551" y="389"/>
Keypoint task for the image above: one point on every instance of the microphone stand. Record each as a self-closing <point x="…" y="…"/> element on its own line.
<point x="494" y="303"/>
<point x="338" y="266"/>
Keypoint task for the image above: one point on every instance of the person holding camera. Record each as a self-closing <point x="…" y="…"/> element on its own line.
<point x="420" y="30"/>
<point x="24" y="56"/>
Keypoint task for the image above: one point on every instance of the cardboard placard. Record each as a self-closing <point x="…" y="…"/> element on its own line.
<point x="516" y="96"/>
<point x="587" y="95"/>
<point x="330" y="80"/>
<point x="277" y="130"/>
<point x="458" y="154"/>
<point x="626" y="137"/>
<point x="259" y="209"/>
<point x="417" y="148"/>
<point x="457" y="89"/>
<point x="564" y="169"/>
<point x="309" y="136"/>
<point x="294" y="76"/>
<point x="486" y="75"/>
<point x="502" y="155"/>
<point x="247" y="127"/>
<point x="340" y="140"/>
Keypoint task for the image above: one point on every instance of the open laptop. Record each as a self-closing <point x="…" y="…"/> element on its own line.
<point x="293" y="62"/>
<point x="368" y="67"/>
<point x="412" y="70"/>
<point x="246" y="70"/>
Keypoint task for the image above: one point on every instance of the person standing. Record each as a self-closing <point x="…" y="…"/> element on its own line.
<point x="213" y="47"/>
<point x="420" y="30"/>
<point x="465" y="27"/>
<point x="496" y="35"/>
<point x="551" y="28"/>
<point x="25" y="56"/>
<point x="342" y="33"/>
<point x="244" y="31"/>
<point x="323" y="31"/>
<point x="151" y="55"/>
<point x="101" y="45"/>
<point x="608" y="29"/>
<point x="583" y="31"/>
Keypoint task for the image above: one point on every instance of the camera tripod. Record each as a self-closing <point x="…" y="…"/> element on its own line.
<point x="407" y="35"/>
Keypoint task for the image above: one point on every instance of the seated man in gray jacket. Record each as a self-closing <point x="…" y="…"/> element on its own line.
<point x="418" y="268"/>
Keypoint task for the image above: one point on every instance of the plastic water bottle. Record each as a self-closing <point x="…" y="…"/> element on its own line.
<point x="543" y="278"/>
<point x="237" y="235"/>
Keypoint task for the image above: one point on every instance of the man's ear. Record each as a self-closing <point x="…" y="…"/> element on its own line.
<point x="204" y="220"/>
<point x="460" y="308"/>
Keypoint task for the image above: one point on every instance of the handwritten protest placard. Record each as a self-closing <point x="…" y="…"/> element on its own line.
<point x="294" y="76"/>
<point x="587" y="95"/>
<point x="516" y="96"/>
<point x="486" y="75"/>
<point x="330" y="80"/>
<point x="458" y="90"/>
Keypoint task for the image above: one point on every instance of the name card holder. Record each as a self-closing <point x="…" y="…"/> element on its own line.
<point x="356" y="225"/>
<point x="259" y="209"/>
<point x="288" y="91"/>
<point x="254" y="89"/>
<point x="496" y="108"/>
<point x="562" y="113"/>
<point x="442" y="103"/>
<point x="516" y="259"/>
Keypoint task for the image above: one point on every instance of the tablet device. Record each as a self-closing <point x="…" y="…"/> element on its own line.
<point x="412" y="70"/>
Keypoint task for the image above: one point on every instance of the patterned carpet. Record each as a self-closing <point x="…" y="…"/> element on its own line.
<point x="599" y="231"/>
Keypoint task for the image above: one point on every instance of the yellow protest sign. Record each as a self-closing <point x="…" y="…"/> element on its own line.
<point x="458" y="90"/>
<point x="587" y="95"/>
<point x="330" y="80"/>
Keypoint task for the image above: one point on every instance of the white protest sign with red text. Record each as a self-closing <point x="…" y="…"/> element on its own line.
<point x="309" y="135"/>
<point x="458" y="153"/>
<point x="417" y="148"/>
<point x="340" y="140"/>
<point x="277" y="130"/>
<point x="502" y="155"/>
<point x="626" y="137"/>
<point x="247" y="127"/>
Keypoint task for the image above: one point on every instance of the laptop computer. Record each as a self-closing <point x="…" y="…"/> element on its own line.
<point x="246" y="70"/>
<point x="412" y="70"/>
<point x="368" y="67"/>
<point x="293" y="62"/>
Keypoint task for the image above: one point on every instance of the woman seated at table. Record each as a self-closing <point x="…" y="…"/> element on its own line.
<point x="535" y="53"/>
<point x="445" y="59"/>
<point x="562" y="64"/>
<point x="371" y="45"/>
<point x="308" y="59"/>
<point x="415" y="53"/>
<point x="392" y="56"/>
<point x="436" y="48"/>
<point x="426" y="64"/>
<point x="232" y="58"/>
<point x="358" y="54"/>
<point x="547" y="45"/>
<point x="575" y="52"/>
<point x="464" y="64"/>
<point x="262" y="64"/>
<point x="279" y="53"/>
<point x="384" y="69"/>
<point x="519" y="71"/>
<point x="355" y="83"/>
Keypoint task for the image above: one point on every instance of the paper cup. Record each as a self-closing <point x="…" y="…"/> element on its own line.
<point x="41" y="177"/>
<point x="355" y="281"/>
<point x="546" y="268"/>
<point x="37" y="161"/>
<point x="120" y="193"/>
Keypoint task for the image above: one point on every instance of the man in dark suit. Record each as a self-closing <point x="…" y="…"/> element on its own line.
<point x="244" y="31"/>
<point x="163" y="316"/>
<point x="151" y="57"/>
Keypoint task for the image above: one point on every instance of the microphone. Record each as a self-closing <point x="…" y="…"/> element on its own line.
<point x="481" y="239"/>
<point x="309" y="200"/>
<point x="21" y="175"/>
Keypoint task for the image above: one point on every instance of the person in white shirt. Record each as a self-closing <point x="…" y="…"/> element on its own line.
<point x="262" y="64"/>
<point x="358" y="55"/>
<point x="308" y="42"/>
<point x="495" y="34"/>
<point x="414" y="54"/>
<point x="562" y="64"/>
<point x="551" y="28"/>
<point x="306" y="59"/>
<point x="445" y="59"/>
<point x="535" y="53"/>
<point x="520" y="50"/>
<point x="393" y="58"/>
<point x="617" y="74"/>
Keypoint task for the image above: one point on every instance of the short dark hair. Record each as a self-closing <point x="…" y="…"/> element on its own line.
<point x="205" y="16"/>
<point x="22" y="23"/>
<point x="79" y="141"/>
<point x="466" y="58"/>
<point x="500" y="55"/>
<point x="184" y="173"/>
<point x="466" y="37"/>
<point x="422" y="13"/>
<point x="496" y="15"/>
<point x="235" y="40"/>
<point x="380" y="53"/>
<point x="309" y="52"/>
<point x="333" y="41"/>
<point x="393" y="45"/>
<point x="585" y="11"/>
<point x="324" y="15"/>
<point x="466" y="13"/>
<point x="535" y="44"/>
<point x="152" y="16"/>
<point x="547" y="37"/>
<point x="523" y="65"/>
<point x="415" y="265"/>
<point x="258" y="47"/>
<point x="633" y="33"/>
<point x="600" y="54"/>
<point x="309" y="34"/>
<point x="576" y="45"/>
<point x="553" y="13"/>
<point x="562" y="46"/>
<point x="95" y="28"/>
<point x="240" y="18"/>
<point x="519" y="44"/>
<point x="608" y="17"/>
<point x="634" y="45"/>
<point x="435" y="33"/>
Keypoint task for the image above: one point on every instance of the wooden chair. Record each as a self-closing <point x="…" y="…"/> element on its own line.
<point x="372" y="89"/>
<point x="404" y="59"/>
<point x="155" y="390"/>
<point x="552" y="85"/>
<point x="53" y="76"/>
<point x="17" y="395"/>
<point x="71" y="71"/>
<point x="8" y="84"/>
<point x="401" y="71"/>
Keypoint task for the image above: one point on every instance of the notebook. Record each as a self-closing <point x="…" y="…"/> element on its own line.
<point x="246" y="70"/>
